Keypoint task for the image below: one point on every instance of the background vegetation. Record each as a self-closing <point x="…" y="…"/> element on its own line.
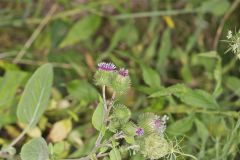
<point x="163" y="43"/>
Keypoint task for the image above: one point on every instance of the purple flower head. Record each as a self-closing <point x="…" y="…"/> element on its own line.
<point x="157" y="123"/>
<point x="160" y="123"/>
<point x="106" y="66"/>
<point x="123" y="72"/>
<point x="139" y="131"/>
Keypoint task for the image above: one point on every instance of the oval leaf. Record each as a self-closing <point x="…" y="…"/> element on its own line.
<point x="115" y="154"/>
<point x="36" y="149"/>
<point x="35" y="96"/>
<point x="181" y="126"/>
<point x="82" y="30"/>
<point x="199" y="98"/>
<point x="151" y="77"/>
<point x="98" y="117"/>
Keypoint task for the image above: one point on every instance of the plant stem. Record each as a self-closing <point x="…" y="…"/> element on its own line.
<point x="100" y="136"/>
<point x="111" y="103"/>
<point x="221" y="25"/>
<point x="156" y="13"/>
<point x="87" y="157"/>
<point x="104" y="99"/>
<point x="3" y="154"/>
<point x="18" y="138"/>
<point x="187" y="155"/>
<point x="202" y="111"/>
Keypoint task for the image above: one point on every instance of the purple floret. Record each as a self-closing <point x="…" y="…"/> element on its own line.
<point x="139" y="131"/>
<point x="123" y="72"/>
<point x="106" y="66"/>
<point x="160" y="123"/>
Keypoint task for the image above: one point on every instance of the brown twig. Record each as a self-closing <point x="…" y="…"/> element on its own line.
<point x="221" y="25"/>
<point x="35" y="34"/>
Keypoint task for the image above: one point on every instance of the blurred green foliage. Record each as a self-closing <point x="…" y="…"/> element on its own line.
<point x="167" y="46"/>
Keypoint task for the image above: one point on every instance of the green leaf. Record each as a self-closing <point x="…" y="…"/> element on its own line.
<point x="218" y="78"/>
<point x="164" y="50"/>
<point x="233" y="84"/>
<point x="36" y="149"/>
<point x="201" y="130"/>
<point x="82" y="30"/>
<point x="199" y="98"/>
<point x="36" y="95"/>
<point x="115" y="154"/>
<point x="82" y="90"/>
<point x="98" y="117"/>
<point x="9" y="85"/>
<point x="8" y="88"/>
<point x="151" y="50"/>
<point x="127" y="34"/>
<point x="215" y="7"/>
<point x="181" y="126"/>
<point x="175" y="89"/>
<point x="59" y="147"/>
<point x="150" y="76"/>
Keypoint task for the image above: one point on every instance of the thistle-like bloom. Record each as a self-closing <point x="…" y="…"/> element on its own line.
<point x="233" y="39"/>
<point x="160" y="123"/>
<point x="229" y="35"/>
<point x="106" y="66"/>
<point x="123" y="72"/>
<point x="139" y="131"/>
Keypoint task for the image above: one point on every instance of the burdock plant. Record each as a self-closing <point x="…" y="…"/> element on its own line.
<point x="117" y="131"/>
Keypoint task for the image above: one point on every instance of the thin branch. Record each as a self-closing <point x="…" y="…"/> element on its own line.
<point x="16" y="140"/>
<point x="100" y="136"/>
<point x="186" y="155"/>
<point x="35" y="34"/>
<point x="156" y="13"/>
<point x="222" y="23"/>
<point x="111" y="103"/>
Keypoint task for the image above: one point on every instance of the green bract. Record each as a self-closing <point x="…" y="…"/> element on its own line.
<point x="145" y="121"/>
<point x="122" y="113"/>
<point x="104" y="77"/>
<point x="121" y="84"/>
<point x="153" y="146"/>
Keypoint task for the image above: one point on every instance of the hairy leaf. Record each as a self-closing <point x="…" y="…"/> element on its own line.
<point x="115" y="154"/>
<point x="35" y="97"/>
<point x="181" y="126"/>
<point x="36" y="149"/>
<point x="98" y="117"/>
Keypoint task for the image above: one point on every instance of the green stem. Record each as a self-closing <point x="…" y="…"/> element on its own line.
<point x="187" y="155"/>
<point x="156" y="13"/>
<point x="202" y="111"/>
<point x="217" y="147"/>
<point x="100" y="136"/>
<point x="15" y="141"/>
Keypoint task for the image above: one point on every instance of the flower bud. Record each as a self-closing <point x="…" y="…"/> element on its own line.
<point x="122" y="113"/>
<point x="106" y="74"/>
<point x="154" y="146"/>
<point x="122" y="82"/>
<point x="152" y="123"/>
<point x="139" y="132"/>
